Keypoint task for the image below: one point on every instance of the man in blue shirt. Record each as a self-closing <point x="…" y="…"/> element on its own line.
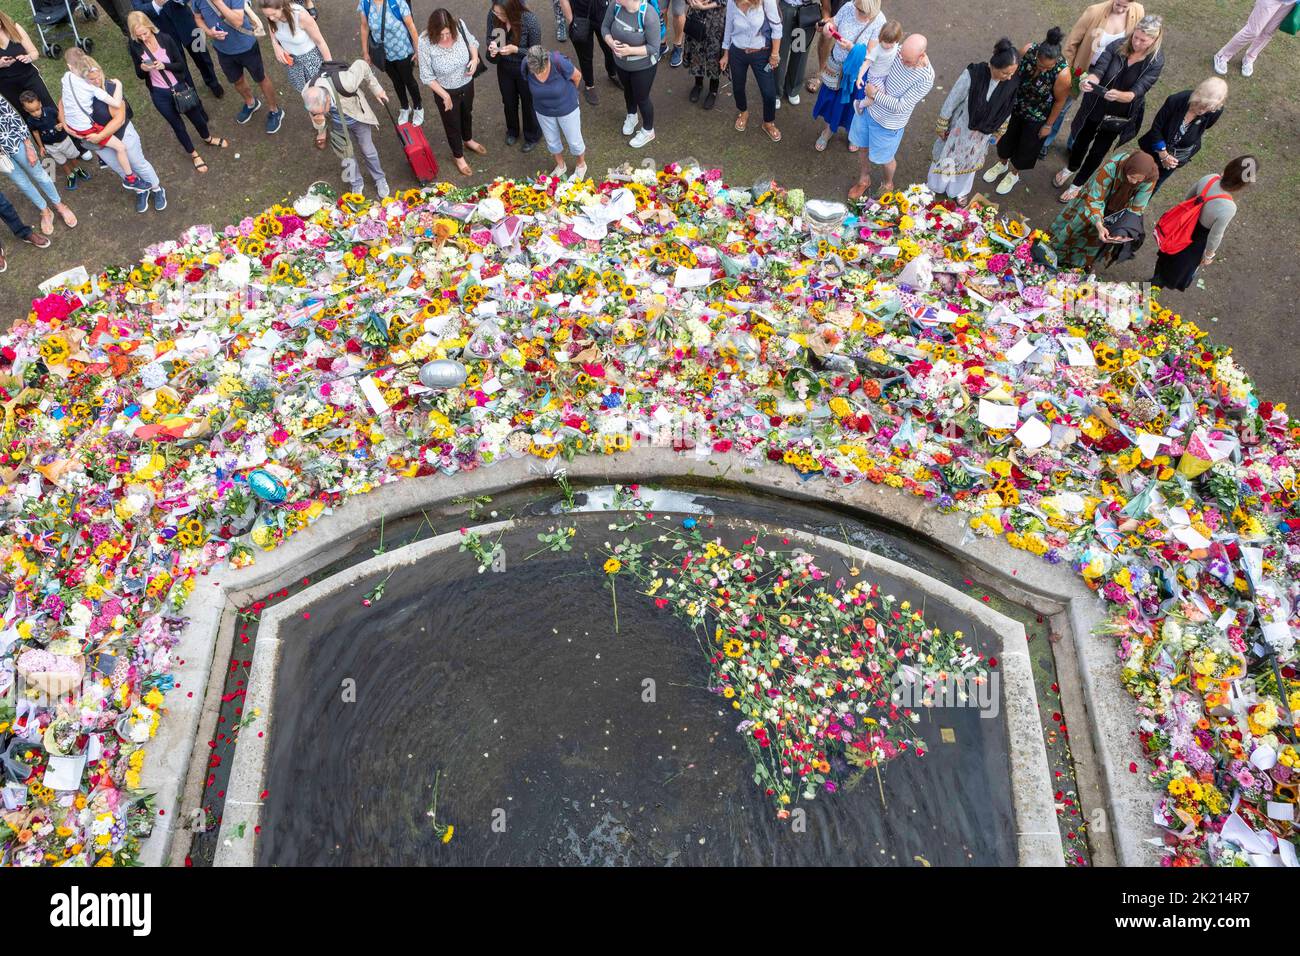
<point x="173" y="17"/>
<point x="230" y="29"/>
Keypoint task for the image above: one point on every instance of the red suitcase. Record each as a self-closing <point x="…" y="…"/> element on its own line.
<point x="418" y="152"/>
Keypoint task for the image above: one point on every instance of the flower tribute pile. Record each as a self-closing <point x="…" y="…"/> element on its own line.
<point x="237" y="384"/>
<point x="822" y="671"/>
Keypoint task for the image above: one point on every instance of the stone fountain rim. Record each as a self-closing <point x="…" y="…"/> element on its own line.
<point x="178" y="764"/>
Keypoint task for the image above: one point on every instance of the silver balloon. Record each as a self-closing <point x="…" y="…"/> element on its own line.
<point x="442" y="373"/>
<point x="824" y="217"/>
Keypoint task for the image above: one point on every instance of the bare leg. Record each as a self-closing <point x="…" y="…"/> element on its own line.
<point x="864" y="176"/>
<point x="244" y="90"/>
<point x="269" y="92"/>
<point x="889" y="172"/>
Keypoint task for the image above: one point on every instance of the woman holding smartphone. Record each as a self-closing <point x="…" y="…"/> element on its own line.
<point x="297" y="41"/>
<point x="160" y="63"/>
<point x="858" y="22"/>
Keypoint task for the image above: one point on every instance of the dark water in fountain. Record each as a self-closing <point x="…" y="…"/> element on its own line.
<point x="515" y="686"/>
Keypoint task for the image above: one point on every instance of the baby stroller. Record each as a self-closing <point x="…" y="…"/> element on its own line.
<point x="51" y="14"/>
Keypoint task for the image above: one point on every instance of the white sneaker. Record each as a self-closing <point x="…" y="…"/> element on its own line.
<point x="993" y="172"/>
<point x="629" y="124"/>
<point x="579" y="172"/>
<point x="1008" y="183"/>
<point x="403" y="117"/>
<point x="642" y="137"/>
<point x="1220" y="65"/>
<point x="417" y="117"/>
<point x="1247" y="67"/>
<point x="383" y="189"/>
<point x="793" y="99"/>
<point x="559" y="171"/>
<point x="778" y="102"/>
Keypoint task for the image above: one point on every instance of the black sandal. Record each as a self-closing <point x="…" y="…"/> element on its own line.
<point x="218" y="142"/>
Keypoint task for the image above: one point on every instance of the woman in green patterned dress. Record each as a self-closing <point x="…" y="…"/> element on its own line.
<point x="1127" y="181"/>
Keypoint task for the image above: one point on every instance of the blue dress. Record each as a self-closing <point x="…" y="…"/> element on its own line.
<point x="839" y="115"/>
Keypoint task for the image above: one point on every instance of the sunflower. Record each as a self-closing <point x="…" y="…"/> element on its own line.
<point x="613" y="566"/>
<point x="55" y="350"/>
<point x="733" y="648"/>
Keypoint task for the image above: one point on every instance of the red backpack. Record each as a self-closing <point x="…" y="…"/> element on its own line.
<point x="1175" y="228"/>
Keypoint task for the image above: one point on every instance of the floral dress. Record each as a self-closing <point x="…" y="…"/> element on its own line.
<point x="1037" y="91"/>
<point x="1075" y="235"/>
<point x="956" y="159"/>
<point x="702" y="56"/>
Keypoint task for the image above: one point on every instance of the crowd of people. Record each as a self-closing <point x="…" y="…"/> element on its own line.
<point x="870" y="76"/>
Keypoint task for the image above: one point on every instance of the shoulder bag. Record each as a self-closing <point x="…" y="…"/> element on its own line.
<point x="482" y="67"/>
<point x="184" y="96"/>
<point x="378" y="55"/>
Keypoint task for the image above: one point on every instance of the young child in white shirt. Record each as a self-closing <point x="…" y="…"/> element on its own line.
<point x="76" y="109"/>
<point x="881" y="54"/>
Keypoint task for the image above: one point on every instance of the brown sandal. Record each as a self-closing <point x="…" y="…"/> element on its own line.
<point x="199" y="164"/>
<point x="218" y="142"/>
<point x="772" y="132"/>
<point x="742" y="120"/>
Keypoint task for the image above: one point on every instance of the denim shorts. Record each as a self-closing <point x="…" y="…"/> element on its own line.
<point x="880" y="142"/>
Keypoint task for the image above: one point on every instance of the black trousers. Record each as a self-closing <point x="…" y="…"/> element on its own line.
<point x="1021" y="142"/>
<point x="402" y="73"/>
<point x="586" y="52"/>
<point x="162" y="101"/>
<point x="118" y="11"/>
<point x="636" y="93"/>
<point x="1089" y="150"/>
<point x="458" y="122"/>
<point x="517" y="99"/>
<point x="12" y="89"/>
<point x="798" y="36"/>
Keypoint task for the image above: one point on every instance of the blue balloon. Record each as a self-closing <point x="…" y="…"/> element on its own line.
<point x="266" y="486"/>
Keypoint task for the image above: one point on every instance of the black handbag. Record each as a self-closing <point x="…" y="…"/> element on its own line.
<point x="482" y="67"/>
<point x="1114" y="122"/>
<point x="695" y="28"/>
<point x="580" y="28"/>
<point x="184" y="97"/>
<point x="378" y="55"/>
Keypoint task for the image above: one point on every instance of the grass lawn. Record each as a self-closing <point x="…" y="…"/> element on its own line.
<point x="1248" y="293"/>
